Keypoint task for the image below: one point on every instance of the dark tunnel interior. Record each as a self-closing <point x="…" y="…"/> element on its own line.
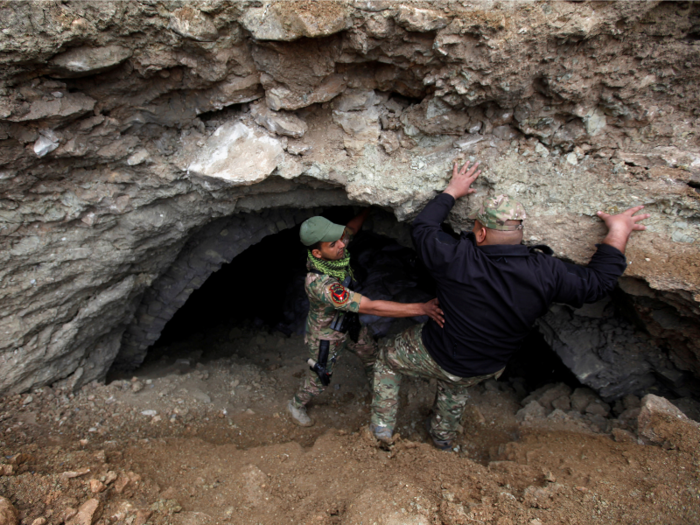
<point x="263" y="288"/>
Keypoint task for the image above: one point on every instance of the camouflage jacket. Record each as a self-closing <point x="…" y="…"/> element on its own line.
<point x="326" y="295"/>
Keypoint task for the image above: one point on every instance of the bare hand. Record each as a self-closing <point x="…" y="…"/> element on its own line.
<point x="432" y="310"/>
<point x="621" y="226"/>
<point x="462" y="179"/>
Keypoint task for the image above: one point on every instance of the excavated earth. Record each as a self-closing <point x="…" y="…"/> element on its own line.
<point x="144" y="145"/>
<point x="200" y="436"/>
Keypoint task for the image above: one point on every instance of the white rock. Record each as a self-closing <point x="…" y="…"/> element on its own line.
<point x="467" y="141"/>
<point x="541" y="149"/>
<point x="422" y="20"/>
<point x="83" y="61"/>
<point x="277" y="21"/>
<point x="594" y="121"/>
<point x="46" y="144"/>
<point x="138" y="157"/>
<point x="238" y="155"/>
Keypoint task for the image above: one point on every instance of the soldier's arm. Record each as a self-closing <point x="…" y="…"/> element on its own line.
<point x="392" y="309"/>
<point x="356" y="224"/>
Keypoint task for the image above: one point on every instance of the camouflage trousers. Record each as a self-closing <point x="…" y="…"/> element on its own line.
<point x="365" y="348"/>
<point x="406" y="355"/>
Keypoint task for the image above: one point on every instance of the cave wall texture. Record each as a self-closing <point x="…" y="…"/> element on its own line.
<point x="145" y="143"/>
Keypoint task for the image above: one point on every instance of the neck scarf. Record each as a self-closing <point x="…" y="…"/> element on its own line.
<point x="338" y="269"/>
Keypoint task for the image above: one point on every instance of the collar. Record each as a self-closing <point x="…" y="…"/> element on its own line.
<point x="500" y="250"/>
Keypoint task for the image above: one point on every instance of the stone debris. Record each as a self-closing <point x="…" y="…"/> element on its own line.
<point x="96" y="486"/>
<point x="421" y="20"/>
<point x="75" y="474"/>
<point x="287" y="21"/>
<point x="583" y="408"/>
<point x="46" y="143"/>
<point x="8" y="513"/>
<point x="279" y="122"/>
<point x="191" y="23"/>
<point x="124" y="501"/>
<point x="88" y="513"/>
<point x="531" y="411"/>
<point x="661" y="422"/>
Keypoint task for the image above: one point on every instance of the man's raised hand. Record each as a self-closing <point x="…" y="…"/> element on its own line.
<point x="462" y="179"/>
<point x="621" y="226"/>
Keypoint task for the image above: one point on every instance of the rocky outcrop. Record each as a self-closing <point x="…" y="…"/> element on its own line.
<point x="662" y="423"/>
<point x="129" y="128"/>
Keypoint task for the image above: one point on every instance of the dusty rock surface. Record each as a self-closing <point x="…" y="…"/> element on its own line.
<point x="204" y="438"/>
<point x="129" y="128"/>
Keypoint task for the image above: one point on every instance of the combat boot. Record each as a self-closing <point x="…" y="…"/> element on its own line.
<point x="383" y="434"/>
<point x="299" y="415"/>
<point x="442" y="444"/>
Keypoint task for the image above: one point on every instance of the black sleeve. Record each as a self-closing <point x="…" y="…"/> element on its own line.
<point x="577" y="285"/>
<point x="433" y="246"/>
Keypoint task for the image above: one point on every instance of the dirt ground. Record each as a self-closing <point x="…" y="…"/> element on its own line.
<point x="200" y="435"/>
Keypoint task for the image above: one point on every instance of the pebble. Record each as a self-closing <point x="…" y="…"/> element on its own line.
<point x="137" y="386"/>
<point x="27" y="400"/>
<point x="96" y="486"/>
<point x="149" y="413"/>
<point x="87" y="514"/>
<point x="75" y="473"/>
<point x="8" y="513"/>
<point x="142" y="517"/>
<point x="110" y="477"/>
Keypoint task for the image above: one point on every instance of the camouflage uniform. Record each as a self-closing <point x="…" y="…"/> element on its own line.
<point x="406" y="355"/>
<point x="326" y="295"/>
<point x="496" y="211"/>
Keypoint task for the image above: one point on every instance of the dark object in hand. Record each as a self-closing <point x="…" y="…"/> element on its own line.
<point x="320" y="366"/>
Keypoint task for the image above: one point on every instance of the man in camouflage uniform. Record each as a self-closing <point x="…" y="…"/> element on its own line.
<point x="329" y="286"/>
<point x="491" y="288"/>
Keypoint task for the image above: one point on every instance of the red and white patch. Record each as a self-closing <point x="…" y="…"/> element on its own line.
<point x="339" y="294"/>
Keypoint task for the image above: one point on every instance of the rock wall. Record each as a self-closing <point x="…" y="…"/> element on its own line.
<point x="128" y="127"/>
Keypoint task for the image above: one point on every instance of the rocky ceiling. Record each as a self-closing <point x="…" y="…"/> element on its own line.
<point x="144" y="143"/>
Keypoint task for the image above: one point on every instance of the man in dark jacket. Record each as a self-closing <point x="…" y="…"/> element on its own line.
<point x="491" y="289"/>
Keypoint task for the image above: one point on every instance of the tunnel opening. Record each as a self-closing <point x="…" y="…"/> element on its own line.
<point x="262" y="290"/>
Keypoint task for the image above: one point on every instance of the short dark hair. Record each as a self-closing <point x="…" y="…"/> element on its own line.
<point x="315" y="246"/>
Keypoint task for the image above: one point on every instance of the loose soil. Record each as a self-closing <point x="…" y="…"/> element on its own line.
<point x="200" y="435"/>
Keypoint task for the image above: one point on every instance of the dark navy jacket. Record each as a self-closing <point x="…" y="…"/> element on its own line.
<point x="492" y="295"/>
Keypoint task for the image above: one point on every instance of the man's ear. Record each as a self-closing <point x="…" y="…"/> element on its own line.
<point x="479" y="232"/>
<point x="317" y="253"/>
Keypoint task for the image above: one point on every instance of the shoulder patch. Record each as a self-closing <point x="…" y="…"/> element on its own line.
<point x="339" y="294"/>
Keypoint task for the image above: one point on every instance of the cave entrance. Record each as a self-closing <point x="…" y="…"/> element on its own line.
<point x="262" y="291"/>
